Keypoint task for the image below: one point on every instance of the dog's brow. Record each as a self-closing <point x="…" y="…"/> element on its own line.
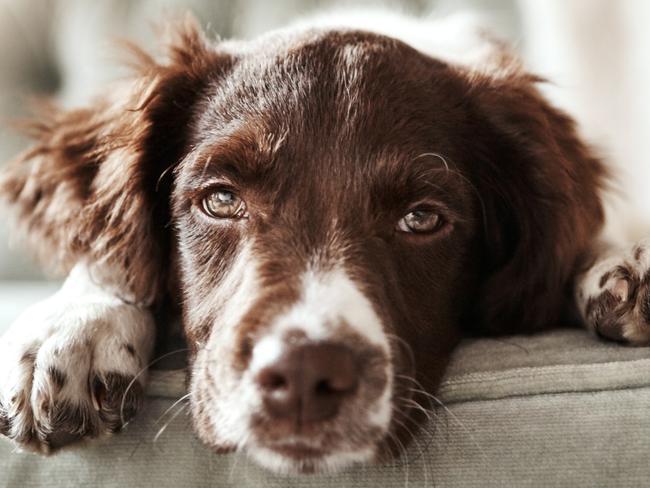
<point x="244" y="153"/>
<point x="427" y="172"/>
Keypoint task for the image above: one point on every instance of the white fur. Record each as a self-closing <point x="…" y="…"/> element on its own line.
<point x="81" y="331"/>
<point x="328" y="299"/>
<point x="589" y="283"/>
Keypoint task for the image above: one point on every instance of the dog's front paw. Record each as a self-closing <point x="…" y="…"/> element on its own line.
<point x="615" y="295"/>
<point x="71" y="369"/>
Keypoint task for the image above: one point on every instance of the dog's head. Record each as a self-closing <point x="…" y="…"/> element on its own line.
<point x="317" y="235"/>
<point x="332" y="208"/>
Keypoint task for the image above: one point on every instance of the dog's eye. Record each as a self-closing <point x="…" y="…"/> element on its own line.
<point x="420" y="222"/>
<point x="224" y="204"/>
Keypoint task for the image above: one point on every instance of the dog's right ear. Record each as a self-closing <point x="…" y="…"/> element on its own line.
<point x="93" y="189"/>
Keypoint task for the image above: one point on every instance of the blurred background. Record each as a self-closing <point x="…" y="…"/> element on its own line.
<point x="596" y="52"/>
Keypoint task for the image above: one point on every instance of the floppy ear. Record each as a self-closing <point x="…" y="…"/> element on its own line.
<point x="88" y="189"/>
<point x="541" y="189"/>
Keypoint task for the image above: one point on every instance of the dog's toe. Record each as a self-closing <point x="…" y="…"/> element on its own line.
<point x="621" y="310"/>
<point x="117" y="398"/>
<point x="63" y="423"/>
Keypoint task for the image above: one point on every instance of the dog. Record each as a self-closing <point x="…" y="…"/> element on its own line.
<point x="330" y="208"/>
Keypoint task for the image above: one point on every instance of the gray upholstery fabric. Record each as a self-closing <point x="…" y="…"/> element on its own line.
<point x="557" y="409"/>
<point x="574" y="439"/>
<point x="557" y="362"/>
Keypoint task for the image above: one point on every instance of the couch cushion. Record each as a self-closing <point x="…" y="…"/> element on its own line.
<point x="558" y="361"/>
<point x="557" y="409"/>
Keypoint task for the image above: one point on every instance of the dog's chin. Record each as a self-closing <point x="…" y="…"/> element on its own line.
<point x="301" y="459"/>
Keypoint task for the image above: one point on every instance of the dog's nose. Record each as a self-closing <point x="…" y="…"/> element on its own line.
<point x="309" y="383"/>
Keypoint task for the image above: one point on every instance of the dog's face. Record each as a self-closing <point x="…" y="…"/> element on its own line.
<point x="324" y="231"/>
<point x="330" y="207"/>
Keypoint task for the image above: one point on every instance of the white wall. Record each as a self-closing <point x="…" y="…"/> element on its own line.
<point x="597" y="52"/>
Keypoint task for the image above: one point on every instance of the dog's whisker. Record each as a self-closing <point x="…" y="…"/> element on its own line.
<point x="240" y="450"/>
<point x="419" y="387"/>
<point x="405" y="427"/>
<point x="183" y="409"/>
<point x="406" y="346"/>
<point x="432" y="416"/>
<point x="181" y="399"/>
<point x="458" y="422"/>
<point x="414" y="404"/>
<point x="448" y="162"/>
<point x="405" y="464"/>
<point x="402" y="460"/>
<point x="142" y="371"/>
<point x="162" y="177"/>
<point x="435" y="155"/>
<point x="433" y="410"/>
<point x="413" y="435"/>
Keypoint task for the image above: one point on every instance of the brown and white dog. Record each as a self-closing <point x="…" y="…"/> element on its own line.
<point x="331" y="206"/>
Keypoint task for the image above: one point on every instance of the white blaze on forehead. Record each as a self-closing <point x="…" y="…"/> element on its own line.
<point x="328" y="299"/>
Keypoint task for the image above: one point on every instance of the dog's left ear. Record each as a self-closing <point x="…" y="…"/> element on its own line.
<point x="540" y="186"/>
<point x="92" y="188"/>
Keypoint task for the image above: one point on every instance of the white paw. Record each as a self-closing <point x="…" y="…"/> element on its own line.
<point x="69" y="368"/>
<point x="614" y="295"/>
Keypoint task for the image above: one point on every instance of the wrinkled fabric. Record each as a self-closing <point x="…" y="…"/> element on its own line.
<point x="556" y="409"/>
